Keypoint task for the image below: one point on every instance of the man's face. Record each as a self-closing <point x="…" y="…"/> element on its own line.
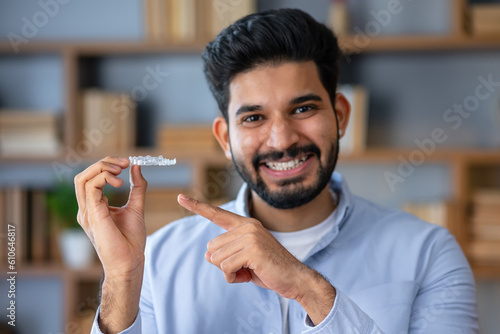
<point x="282" y="132"/>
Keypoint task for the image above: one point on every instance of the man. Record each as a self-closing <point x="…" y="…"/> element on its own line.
<point x="315" y="258"/>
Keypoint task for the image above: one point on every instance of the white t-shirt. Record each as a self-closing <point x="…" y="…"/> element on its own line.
<point x="299" y="244"/>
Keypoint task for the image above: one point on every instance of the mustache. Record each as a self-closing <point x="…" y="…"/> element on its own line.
<point x="291" y="152"/>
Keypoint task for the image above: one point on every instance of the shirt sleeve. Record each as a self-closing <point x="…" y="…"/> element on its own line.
<point x="135" y="328"/>
<point x="446" y="301"/>
<point x="344" y="317"/>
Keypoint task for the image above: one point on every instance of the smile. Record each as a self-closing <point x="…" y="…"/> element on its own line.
<point x="286" y="165"/>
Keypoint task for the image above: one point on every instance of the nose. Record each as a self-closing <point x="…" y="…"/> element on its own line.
<point x="282" y="135"/>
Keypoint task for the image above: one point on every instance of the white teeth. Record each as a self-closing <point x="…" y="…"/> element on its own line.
<point x="286" y="165"/>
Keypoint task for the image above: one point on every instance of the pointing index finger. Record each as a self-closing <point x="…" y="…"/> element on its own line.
<point x="225" y="219"/>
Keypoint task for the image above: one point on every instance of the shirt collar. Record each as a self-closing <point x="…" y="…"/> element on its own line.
<point x="342" y="212"/>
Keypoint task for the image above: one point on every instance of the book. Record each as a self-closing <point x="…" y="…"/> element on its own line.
<point x="15" y="214"/>
<point x="483" y="218"/>
<point x="486" y="197"/>
<point x="203" y="19"/>
<point x="186" y="137"/>
<point x="33" y="133"/>
<point x="156" y="21"/>
<point x="3" y="230"/>
<point x="484" y="251"/>
<point x="432" y="212"/>
<point x="486" y="207"/>
<point x="485" y="215"/>
<point x="162" y="208"/>
<point x="39" y="238"/>
<point x="171" y="8"/>
<point x="486" y="232"/>
<point x="108" y="121"/>
<point x="354" y="139"/>
<point x="339" y="17"/>
<point x="147" y="10"/>
<point x="485" y="19"/>
<point x="186" y="21"/>
<point x="171" y="21"/>
<point x="225" y="12"/>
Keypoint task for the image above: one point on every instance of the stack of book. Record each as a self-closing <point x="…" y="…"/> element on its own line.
<point x="354" y="139"/>
<point x="432" y="212"/>
<point x="24" y="212"/>
<point x="190" y="138"/>
<point x="485" y="226"/>
<point x="485" y="19"/>
<point x="187" y="21"/>
<point x="29" y="133"/>
<point x="162" y="208"/>
<point x="108" y="121"/>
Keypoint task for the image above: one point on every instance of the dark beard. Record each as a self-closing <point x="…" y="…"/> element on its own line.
<point x="292" y="193"/>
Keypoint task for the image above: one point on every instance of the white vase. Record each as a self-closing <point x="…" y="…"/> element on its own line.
<point x="76" y="249"/>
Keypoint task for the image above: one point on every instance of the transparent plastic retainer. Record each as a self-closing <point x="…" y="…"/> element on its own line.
<point x="152" y="161"/>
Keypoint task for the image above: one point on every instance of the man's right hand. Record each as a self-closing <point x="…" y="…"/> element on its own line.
<point x="118" y="235"/>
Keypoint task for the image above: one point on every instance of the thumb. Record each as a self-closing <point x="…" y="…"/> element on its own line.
<point x="138" y="186"/>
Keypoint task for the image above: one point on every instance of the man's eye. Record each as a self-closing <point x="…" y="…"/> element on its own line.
<point x="252" y="118"/>
<point x="303" y="109"/>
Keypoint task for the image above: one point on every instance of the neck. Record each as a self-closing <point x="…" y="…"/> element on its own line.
<point x="295" y="219"/>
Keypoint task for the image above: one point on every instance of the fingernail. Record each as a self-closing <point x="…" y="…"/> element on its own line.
<point x="184" y="197"/>
<point x="123" y="159"/>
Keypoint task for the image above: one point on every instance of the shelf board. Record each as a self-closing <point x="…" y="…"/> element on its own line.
<point x="486" y="272"/>
<point x="352" y="44"/>
<point x="55" y="269"/>
<point x="102" y="48"/>
<point x="392" y="155"/>
<point x="34" y="47"/>
<point x="356" y="44"/>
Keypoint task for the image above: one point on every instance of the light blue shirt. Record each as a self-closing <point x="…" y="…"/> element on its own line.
<point x="393" y="273"/>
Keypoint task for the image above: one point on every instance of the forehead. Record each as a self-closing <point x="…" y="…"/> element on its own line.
<point x="271" y="85"/>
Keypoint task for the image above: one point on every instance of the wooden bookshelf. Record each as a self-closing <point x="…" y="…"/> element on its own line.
<point x="72" y="53"/>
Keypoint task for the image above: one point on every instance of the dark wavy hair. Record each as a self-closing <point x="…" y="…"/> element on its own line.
<point x="270" y="37"/>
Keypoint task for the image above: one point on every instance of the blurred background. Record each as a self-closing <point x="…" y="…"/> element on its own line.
<point x="80" y="80"/>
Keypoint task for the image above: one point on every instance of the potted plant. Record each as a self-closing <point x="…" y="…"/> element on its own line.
<point x="75" y="247"/>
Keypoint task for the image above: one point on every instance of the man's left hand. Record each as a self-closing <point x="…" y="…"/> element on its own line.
<point x="248" y="252"/>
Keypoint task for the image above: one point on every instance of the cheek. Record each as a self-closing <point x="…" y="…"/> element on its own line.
<point x="322" y="132"/>
<point x="331" y="128"/>
<point x="244" y="144"/>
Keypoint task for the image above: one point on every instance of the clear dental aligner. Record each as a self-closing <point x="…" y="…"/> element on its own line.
<point x="152" y="161"/>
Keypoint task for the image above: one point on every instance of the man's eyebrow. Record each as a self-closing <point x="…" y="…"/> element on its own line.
<point x="248" y="108"/>
<point x="305" y="98"/>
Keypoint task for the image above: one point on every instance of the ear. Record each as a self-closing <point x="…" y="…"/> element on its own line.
<point x="221" y="133"/>
<point x="343" y="110"/>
